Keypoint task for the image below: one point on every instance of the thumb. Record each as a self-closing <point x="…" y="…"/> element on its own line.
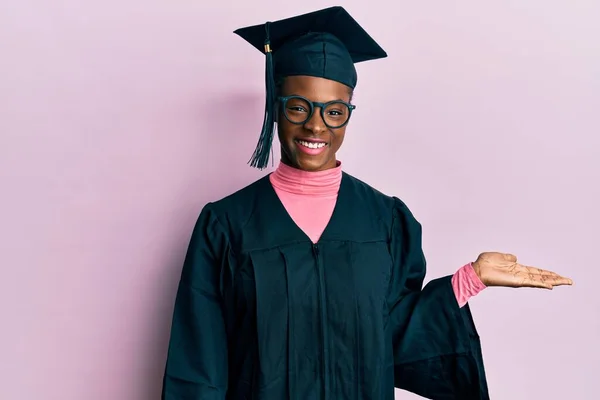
<point x="510" y="257"/>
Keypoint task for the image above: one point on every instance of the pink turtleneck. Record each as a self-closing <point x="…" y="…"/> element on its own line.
<point x="310" y="197"/>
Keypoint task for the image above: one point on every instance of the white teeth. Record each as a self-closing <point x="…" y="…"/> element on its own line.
<point x="311" y="145"/>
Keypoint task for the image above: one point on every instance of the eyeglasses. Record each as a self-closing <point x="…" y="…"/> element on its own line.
<point x="299" y="110"/>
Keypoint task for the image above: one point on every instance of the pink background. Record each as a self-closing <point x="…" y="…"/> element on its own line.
<point x="120" y="119"/>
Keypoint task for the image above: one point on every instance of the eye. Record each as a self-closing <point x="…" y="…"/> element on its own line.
<point x="336" y="111"/>
<point x="296" y="108"/>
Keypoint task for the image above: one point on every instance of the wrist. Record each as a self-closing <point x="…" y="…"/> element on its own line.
<point x="477" y="268"/>
<point x="476" y="274"/>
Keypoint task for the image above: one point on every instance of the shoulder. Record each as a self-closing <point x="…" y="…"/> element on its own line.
<point x="242" y="198"/>
<point x="236" y="208"/>
<point x="240" y="202"/>
<point x="389" y="209"/>
<point x="367" y="194"/>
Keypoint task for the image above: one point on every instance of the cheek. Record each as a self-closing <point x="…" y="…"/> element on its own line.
<point x="338" y="139"/>
<point x="285" y="131"/>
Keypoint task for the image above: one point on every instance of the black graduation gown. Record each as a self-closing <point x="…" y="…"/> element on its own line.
<point x="263" y="313"/>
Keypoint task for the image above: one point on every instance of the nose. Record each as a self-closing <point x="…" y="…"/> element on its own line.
<point x="315" y="123"/>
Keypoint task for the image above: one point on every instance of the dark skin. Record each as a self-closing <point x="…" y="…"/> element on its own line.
<point x="314" y="89"/>
<point x="492" y="268"/>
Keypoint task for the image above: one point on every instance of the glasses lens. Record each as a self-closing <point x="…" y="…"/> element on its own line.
<point x="336" y="114"/>
<point x="297" y="110"/>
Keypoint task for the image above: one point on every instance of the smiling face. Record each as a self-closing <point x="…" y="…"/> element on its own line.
<point x="311" y="146"/>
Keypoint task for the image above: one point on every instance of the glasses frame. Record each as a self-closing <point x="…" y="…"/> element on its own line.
<point x="314" y="104"/>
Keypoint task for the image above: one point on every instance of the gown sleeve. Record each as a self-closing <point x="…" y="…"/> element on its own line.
<point x="437" y="351"/>
<point x="196" y="366"/>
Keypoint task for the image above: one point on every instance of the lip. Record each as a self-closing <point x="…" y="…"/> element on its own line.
<point x="309" y="151"/>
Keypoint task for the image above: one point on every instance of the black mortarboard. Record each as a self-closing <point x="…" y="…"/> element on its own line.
<point x="325" y="43"/>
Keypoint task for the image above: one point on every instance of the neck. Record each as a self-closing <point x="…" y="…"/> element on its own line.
<point x="318" y="183"/>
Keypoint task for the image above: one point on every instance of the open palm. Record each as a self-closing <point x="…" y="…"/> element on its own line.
<point x="500" y="269"/>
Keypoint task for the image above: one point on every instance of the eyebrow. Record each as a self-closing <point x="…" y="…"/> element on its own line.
<point x="295" y="94"/>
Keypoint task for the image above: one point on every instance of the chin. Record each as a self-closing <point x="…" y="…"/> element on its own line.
<point x="312" y="164"/>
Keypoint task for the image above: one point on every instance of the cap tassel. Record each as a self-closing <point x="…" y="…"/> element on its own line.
<point x="260" y="158"/>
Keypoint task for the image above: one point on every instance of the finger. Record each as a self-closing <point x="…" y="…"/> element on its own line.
<point x="535" y="282"/>
<point x="548" y="281"/>
<point x="536" y="270"/>
<point x="557" y="280"/>
<point x="529" y="277"/>
<point x="509" y="257"/>
<point x="549" y="276"/>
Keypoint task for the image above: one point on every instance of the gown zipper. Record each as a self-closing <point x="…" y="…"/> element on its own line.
<point x="323" y="317"/>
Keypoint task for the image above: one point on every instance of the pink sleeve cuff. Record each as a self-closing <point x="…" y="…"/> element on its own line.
<point x="466" y="284"/>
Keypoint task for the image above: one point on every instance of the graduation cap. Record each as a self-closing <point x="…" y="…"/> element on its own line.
<point x="325" y="43"/>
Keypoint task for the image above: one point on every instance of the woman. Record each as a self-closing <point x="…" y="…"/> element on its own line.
<point x="307" y="284"/>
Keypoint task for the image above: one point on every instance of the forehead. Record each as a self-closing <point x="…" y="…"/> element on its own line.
<point x="314" y="88"/>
